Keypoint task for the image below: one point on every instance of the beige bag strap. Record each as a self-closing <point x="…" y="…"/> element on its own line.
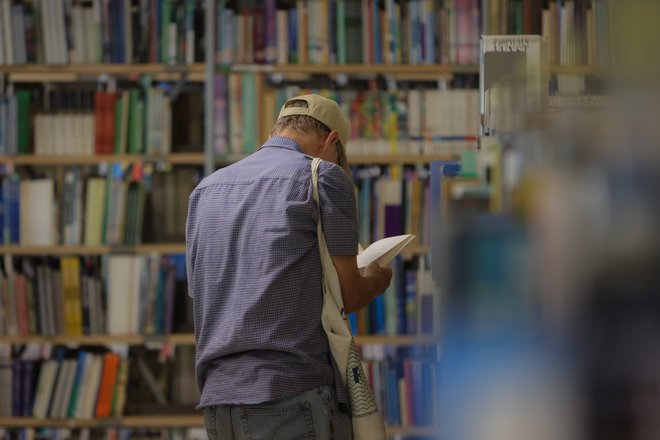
<point x="366" y="419"/>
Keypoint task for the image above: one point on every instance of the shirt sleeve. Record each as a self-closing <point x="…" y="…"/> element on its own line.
<point x="338" y="210"/>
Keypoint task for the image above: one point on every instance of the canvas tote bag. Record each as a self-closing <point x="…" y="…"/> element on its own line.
<point x="367" y="420"/>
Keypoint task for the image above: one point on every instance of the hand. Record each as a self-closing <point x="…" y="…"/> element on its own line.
<point x="381" y="276"/>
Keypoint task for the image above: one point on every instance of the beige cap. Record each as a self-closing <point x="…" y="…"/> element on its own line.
<point x="323" y="110"/>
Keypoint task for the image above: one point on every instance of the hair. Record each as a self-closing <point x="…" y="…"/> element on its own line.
<point x="299" y="123"/>
<point x="306" y="124"/>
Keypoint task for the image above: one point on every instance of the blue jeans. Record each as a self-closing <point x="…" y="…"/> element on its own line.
<point x="313" y="415"/>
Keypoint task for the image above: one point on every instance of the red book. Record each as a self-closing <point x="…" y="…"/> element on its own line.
<point x="107" y="387"/>
<point x="259" y="34"/>
<point x="408" y="378"/>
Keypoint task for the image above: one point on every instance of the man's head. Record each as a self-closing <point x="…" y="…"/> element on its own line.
<point x="318" y="125"/>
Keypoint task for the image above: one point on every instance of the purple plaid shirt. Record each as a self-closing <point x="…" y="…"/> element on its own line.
<point x="254" y="273"/>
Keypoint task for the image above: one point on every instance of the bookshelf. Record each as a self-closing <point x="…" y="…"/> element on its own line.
<point x="197" y="73"/>
<point x="189" y="339"/>
<point x="103" y="69"/>
<point x="370" y="159"/>
<point x="163" y="248"/>
<point x="160" y="422"/>
<point x="97" y="159"/>
<point x="448" y="68"/>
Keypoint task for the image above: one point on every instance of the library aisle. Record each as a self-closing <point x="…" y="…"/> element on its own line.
<point x="517" y="140"/>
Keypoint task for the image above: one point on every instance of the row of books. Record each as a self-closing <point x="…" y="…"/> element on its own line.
<point x="89" y="295"/>
<point x="404" y="386"/>
<point x="106" y="433"/>
<point x="577" y="30"/>
<point x="348" y="31"/>
<point x="70" y="384"/>
<point x="128" y="206"/>
<point x="97" y="31"/>
<point x="407" y="121"/>
<point x="408" y="307"/>
<point x="305" y="31"/>
<point x="393" y="201"/>
<point x="82" y="121"/>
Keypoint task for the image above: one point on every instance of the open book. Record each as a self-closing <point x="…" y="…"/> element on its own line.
<point x="383" y="251"/>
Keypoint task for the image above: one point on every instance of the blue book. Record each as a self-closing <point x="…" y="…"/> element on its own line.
<point x="6" y="236"/>
<point x="159" y="318"/>
<point x="113" y="11"/>
<point x="429" y="393"/>
<point x="376" y="37"/>
<point x="293" y="35"/>
<point x="17" y="394"/>
<point x="400" y="296"/>
<point x="377" y="318"/>
<point x="179" y="263"/>
<point x="77" y="383"/>
<point x="411" y="302"/>
<point x="415" y="44"/>
<point x="419" y="393"/>
<point x="28" y="385"/>
<point x="430" y="37"/>
<point x="84" y="294"/>
<point x="393" y="399"/>
<point x="353" y="321"/>
<point x="14" y="206"/>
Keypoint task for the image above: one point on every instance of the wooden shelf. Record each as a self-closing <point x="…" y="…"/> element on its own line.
<point x="412" y="431"/>
<point x="164" y="248"/>
<point x="111" y="69"/>
<point x="74" y="72"/>
<point x="164" y="421"/>
<point x="352" y="69"/>
<point x="393" y="159"/>
<point x="75" y="340"/>
<point x="174" y="159"/>
<point x="160" y="248"/>
<point x="375" y="159"/>
<point x="578" y="70"/>
<point x="188" y="339"/>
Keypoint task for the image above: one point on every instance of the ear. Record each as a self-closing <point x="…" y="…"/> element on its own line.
<point x="331" y="140"/>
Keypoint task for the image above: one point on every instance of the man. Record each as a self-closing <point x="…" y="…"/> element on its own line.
<point x="263" y="363"/>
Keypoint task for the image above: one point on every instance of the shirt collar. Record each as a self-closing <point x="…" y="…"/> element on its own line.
<point x="283" y="142"/>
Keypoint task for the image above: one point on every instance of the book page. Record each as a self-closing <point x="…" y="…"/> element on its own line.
<point x="383" y="251"/>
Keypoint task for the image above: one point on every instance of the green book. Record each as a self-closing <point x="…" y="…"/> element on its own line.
<point x="139" y="121"/>
<point x="135" y="122"/>
<point x="23" y="98"/>
<point x="250" y="128"/>
<point x="77" y="385"/>
<point x="341" y="32"/>
<point x="119" y="109"/>
<point x="132" y="121"/>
